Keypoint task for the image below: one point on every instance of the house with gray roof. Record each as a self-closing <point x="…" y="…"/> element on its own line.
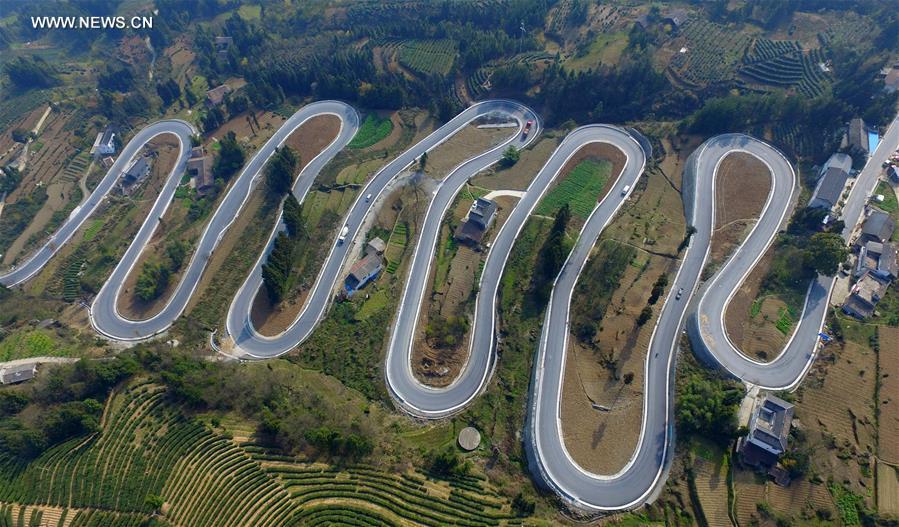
<point x="878" y="258"/>
<point x="877" y="228"/>
<point x="480" y="218"/>
<point x="769" y="429"/>
<point x="16" y="374"/>
<point x="829" y="188"/>
<point x="865" y="295"/>
<point x="104" y="144"/>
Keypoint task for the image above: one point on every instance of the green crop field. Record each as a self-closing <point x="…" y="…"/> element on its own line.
<point x="580" y="189"/>
<point x="147" y="447"/>
<point x="373" y="129"/>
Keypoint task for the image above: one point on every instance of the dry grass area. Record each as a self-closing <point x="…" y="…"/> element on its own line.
<point x="50" y="154"/>
<point x="888" y="445"/>
<point x="454" y="295"/>
<point x="468" y="142"/>
<point x="742" y="187"/>
<point x="749" y="491"/>
<point x="308" y="141"/>
<point x="166" y="148"/>
<point x="248" y="132"/>
<point x="519" y="175"/>
<point x="610" y="372"/>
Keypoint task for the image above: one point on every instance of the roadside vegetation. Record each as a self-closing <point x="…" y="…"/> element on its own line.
<point x="373" y="130"/>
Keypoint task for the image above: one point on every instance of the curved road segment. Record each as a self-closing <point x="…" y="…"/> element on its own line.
<point x="104" y="313"/>
<point x="180" y="129"/>
<point x="706" y="326"/>
<point x="239" y="323"/>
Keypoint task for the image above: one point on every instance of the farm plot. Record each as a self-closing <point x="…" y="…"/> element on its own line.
<point x="147" y="447"/>
<point x="579" y="190"/>
<point x="428" y="57"/>
<point x="710" y="53"/>
<point x="888" y="445"/>
<point x="783" y="64"/>
<point x="373" y="129"/>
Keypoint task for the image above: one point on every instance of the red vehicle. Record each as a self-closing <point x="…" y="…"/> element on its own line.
<point x="527" y="127"/>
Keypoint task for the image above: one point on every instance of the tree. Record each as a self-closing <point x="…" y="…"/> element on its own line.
<point x="658" y="289"/>
<point x="293" y="217"/>
<point x="552" y="255"/>
<point x="708" y="406"/>
<point x="153" y="280"/>
<point x="30" y="73"/>
<point x="645" y="315"/>
<point x="280" y="170"/>
<point x="510" y="156"/>
<point x="276" y="270"/>
<point x="230" y="159"/>
<point x="423" y="162"/>
<point x="825" y="252"/>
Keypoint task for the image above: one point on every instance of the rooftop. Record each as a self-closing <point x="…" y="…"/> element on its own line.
<point x="878" y="226"/>
<point x="831" y="186"/>
<point x="364" y="268"/>
<point x="19" y="373"/>
<point x="770" y="425"/>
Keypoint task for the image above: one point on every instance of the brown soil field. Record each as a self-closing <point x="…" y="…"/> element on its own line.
<point x="311" y="139"/>
<point x="743" y="183"/>
<point x="741" y="188"/>
<point x="887" y="489"/>
<point x="519" y="175"/>
<point x="45" y="168"/>
<point x="603" y="441"/>
<point x="246" y="130"/>
<point x="711" y="487"/>
<point x="888" y="447"/>
<point x="436" y="366"/>
<point x="469" y="141"/>
<point x="749" y="491"/>
<point x="841" y="430"/>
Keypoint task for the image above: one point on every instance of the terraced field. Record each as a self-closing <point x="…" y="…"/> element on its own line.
<point x="707" y="53"/>
<point x="783" y="63"/>
<point x="146" y="448"/>
<point x="428" y="57"/>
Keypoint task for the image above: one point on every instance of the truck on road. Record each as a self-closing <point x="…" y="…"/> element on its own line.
<point x="343" y="233"/>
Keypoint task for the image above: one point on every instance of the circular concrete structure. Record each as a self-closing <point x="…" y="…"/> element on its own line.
<point x="469" y="438"/>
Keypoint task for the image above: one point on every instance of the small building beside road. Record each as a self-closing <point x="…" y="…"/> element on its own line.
<point x="865" y="295"/>
<point x="879" y="259"/>
<point x="878" y="227"/>
<point x="104" y="144"/>
<point x="769" y="431"/>
<point x="480" y="218"/>
<point x="376" y="246"/>
<point x="829" y="188"/>
<point x="16" y="374"/>
<point x="216" y="96"/>
<point x="199" y="167"/>
<point x="136" y="172"/>
<point x="363" y="272"/>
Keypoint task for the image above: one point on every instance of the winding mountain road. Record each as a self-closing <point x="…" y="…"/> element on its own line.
<point x="634" y="484"/>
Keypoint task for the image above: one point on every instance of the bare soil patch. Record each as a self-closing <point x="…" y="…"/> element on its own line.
<point x="888" y="445"/>
<point x="519" y="175"/>
<point x="753" y="329"/>
<point x="741" y="189"/>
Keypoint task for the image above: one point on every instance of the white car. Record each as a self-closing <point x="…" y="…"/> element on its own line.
<point x="368" y="198"/>
<point x="625" y="189"/>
